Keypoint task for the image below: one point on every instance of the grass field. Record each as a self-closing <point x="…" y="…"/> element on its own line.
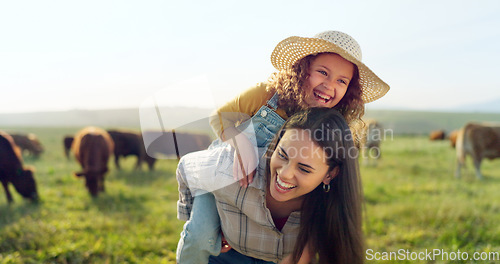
<point x="413" y="203"/>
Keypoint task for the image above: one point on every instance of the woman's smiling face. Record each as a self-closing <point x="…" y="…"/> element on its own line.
<point x="298" y="165"/>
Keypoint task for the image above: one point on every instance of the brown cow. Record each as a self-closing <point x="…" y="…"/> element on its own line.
<point x="479" y="141"/>
<point x="67" y="141"/>
<point x="453" y="138"/>
<point x="437" y="135"/>
<point x="11" y="170"/>
<point x="130" y="143"/>
<point x="29" y="143"/>
<point x="92" y="147"/>
<point x="162" y="143"/>
<point x="371" y="137"/>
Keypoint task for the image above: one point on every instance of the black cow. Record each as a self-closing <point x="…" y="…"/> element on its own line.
<point x="12" y="170"/>
<point x="67" y="141"/>
<point x="28" y="143"/>
<point x="130" y="143"/>
<point x="163" y="143"/>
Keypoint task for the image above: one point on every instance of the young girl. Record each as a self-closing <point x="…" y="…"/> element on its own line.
<point x="305" y="200"/>
<point x="323" y="71"/>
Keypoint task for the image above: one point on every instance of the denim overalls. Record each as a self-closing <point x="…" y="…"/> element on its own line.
<point x="266" y="123"/>
<point x="201" y="235"/>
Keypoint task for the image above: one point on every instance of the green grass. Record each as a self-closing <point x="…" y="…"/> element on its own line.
<point x="133" y="222"/>
<point x="413" y="202"/>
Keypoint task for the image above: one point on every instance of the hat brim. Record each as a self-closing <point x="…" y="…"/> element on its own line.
<point x="292" y="49"/>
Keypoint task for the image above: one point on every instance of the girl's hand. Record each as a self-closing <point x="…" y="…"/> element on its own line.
<point x="245" y="156"/>
<point x="245" y="162"/>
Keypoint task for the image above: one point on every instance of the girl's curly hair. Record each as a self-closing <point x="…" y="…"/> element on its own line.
<point x="290" y="84"/>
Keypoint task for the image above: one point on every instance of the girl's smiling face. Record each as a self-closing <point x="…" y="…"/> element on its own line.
<point x="329" y="77"/>
<point x="298" y="165"/>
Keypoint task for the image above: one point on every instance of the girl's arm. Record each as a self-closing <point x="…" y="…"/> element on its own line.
<point x="224" y="121"/>
<point x="239" y="109"/>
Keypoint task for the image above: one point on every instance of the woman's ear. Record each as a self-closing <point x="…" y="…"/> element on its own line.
<point x="331" y="174"/>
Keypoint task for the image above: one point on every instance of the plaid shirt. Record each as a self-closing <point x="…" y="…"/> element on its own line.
<point x="245" y="220"/>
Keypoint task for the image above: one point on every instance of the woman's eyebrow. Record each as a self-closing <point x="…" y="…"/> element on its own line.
<point x="308" y="166"/>
<point x="284" y="152"/>
<point x="301" y="164"/>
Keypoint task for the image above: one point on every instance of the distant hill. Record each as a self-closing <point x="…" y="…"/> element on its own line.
<point x="128" y="118"/>
<point x="421" y="122"/>
<point x="492" y="106"/>
<point x="401" y="122"/>
<point x="73" y="118"/>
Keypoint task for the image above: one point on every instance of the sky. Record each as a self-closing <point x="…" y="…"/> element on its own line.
<point x="64" y="55"/>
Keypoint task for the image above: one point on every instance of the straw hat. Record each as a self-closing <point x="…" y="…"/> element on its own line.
<point x="292" y="49"/>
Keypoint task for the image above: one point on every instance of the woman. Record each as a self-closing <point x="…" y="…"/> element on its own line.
<point x="305" y="201"/>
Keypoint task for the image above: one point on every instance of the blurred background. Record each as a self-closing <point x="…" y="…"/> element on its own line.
<point x="62" y="56"/>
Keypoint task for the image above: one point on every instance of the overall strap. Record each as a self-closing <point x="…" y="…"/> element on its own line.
<point x="273" y="102"/>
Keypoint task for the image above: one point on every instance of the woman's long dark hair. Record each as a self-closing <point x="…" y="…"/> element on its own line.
<point x="330" y="222"/>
